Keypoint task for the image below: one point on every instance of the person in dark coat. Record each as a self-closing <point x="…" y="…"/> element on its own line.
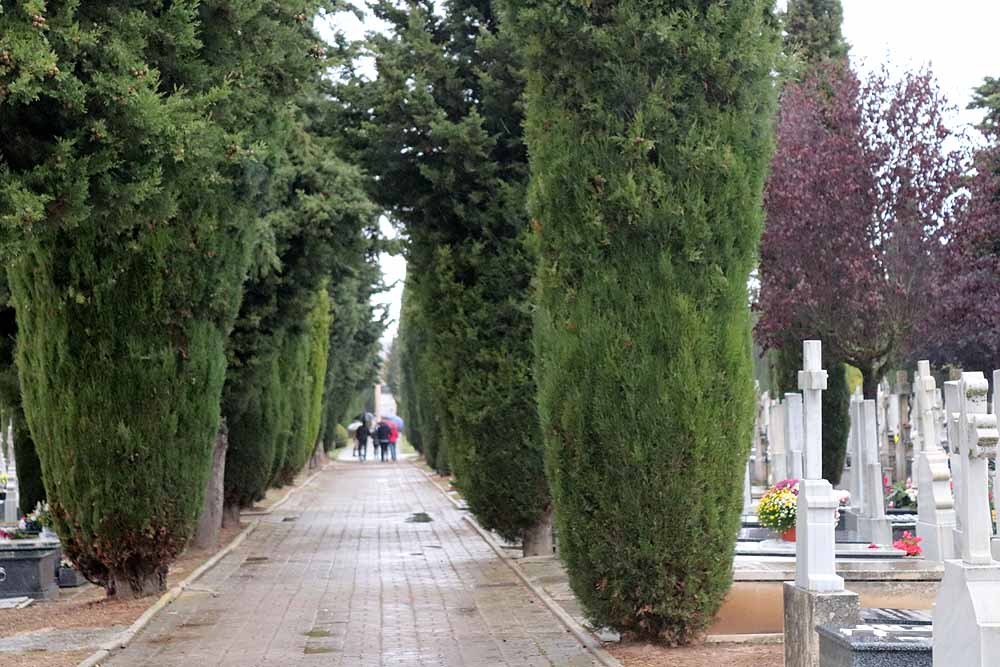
<point x="362" y="438"/>
<point x="383" y="434"/>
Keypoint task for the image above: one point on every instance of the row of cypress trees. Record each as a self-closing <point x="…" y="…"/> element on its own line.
<point x="441" y="127"/>
<point x="177" y="232"/>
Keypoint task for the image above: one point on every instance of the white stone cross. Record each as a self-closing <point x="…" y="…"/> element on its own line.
<point x="815" y="519"/>
<point x="812" y="382"/>
<point x="978" y="438"/>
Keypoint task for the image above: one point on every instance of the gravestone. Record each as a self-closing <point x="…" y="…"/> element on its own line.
<point x="817" y="595"/>
<point x="776" y="443"/>
<point x="951" y="413"/>
<point x="903" y="466"/>
<point x="876" y="645"/>
<point x="747" y="492"/>
<point x="873" y="525"/>
<point x="856" y="485"/>
<point x="935" y="504"/>
<point x="794" y="435"/>
<point x="967" y="612"/>
<point x="759" y="454"/>
<point x="11" y="512"/>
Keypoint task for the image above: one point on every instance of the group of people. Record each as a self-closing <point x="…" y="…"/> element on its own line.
<point x="383" y="435"/>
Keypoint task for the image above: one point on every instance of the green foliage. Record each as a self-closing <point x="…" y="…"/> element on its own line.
<point x="647" y="172"/>
<point x="131" y="157"/>
<point x="452" y="170"/>
<point x="813" y="30"/>
<point x="341" y="437"/>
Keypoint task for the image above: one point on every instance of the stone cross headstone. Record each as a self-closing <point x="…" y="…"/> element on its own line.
<point x="776" y="443"/>
<point x="817" y="505"/>
<point x="818" y="594"/>
<point x="935" y="504"/>
<point x="873" y="524"/>
<point x="967" y="612"/>
<point x="794" y="435"/>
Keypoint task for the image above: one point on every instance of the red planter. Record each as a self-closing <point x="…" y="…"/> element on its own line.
<point x="789" y="535"/>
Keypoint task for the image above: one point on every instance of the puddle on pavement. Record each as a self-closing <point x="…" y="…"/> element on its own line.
<point x="419" y="517"/>
<point x="318" y="633"/>
<point x="314" y="650"/>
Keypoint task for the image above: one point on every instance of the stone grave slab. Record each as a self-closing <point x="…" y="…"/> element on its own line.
<point x="876" y="645"/>
<point x="28" y="567"/>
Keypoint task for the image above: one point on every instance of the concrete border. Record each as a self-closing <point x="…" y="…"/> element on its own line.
<point x="588" y="641"/>
<point x="123" y="639"/>
<point x="581" y="634"/>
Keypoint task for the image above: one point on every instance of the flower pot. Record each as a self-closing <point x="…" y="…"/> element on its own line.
<point x="789" y="535"/>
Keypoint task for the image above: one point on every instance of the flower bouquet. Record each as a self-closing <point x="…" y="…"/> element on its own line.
<point x="778" y="506"/>
<point x="902" y="495"/>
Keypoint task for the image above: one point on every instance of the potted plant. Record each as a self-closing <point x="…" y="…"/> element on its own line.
<point x="901" y="496"/>
<point x="69" y="576"/>
<point x="777" y="508"/>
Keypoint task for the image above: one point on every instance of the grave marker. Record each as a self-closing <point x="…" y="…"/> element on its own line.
<point x="967" y="612"/>
<point x="935" y="504"/>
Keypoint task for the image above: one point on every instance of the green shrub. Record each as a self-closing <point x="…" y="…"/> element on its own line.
<point x="647" y="172"/>
<point x="341" y="437"/>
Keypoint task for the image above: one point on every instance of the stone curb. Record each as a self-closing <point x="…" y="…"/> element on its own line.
<point x="582" y="635"/>
<point x="767" y="638"/>
<point x="123" y="640"/>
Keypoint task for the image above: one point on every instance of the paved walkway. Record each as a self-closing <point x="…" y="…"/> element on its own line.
<point x="348" y="572"/>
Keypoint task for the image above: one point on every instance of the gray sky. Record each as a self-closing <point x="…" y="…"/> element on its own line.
<point x="957" y="38"/>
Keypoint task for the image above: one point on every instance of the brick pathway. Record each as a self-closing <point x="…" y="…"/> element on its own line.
<point x="343" y="575"/>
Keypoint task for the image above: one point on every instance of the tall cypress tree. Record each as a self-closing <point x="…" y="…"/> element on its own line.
<point x="649" y="129"/>
<point x="131" y="154"/>
<point x="813" y="30"/>
<point x="444" y="137"/>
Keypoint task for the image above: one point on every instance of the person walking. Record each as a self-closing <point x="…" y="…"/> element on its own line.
<point x="361" y="437"/>
<point x="382" y="435"/>
<point x="393" y="437"/>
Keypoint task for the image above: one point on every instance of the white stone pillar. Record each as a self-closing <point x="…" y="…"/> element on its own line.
<point x="967" y="612"/>
<point x="794" y="435"/>
<point x="952" y="407"/>
<point x="777" y="458"/>
<point x="935" y="504"/>
<point x="873" y="524"/>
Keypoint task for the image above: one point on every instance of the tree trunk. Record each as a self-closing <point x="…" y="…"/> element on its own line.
<point x="231" y="516"/>
<point x="537" y="540"/>
<point x="870" y="380"/>
<point x="210" y="523"/>
<point x="123" y="584"/>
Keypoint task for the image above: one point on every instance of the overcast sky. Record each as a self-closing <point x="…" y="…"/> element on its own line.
<point x="957" y="38"/>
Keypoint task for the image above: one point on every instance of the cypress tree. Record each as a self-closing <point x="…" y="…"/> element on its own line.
<point x="813" y="30"/>
<point x="452" y="169"/>
<point x="649" y="129"/>
<point x="130" y="157"/>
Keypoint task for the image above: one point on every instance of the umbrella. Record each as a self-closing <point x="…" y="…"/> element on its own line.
<point x="353" y="427"/>
<point x="397" y="421"/>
